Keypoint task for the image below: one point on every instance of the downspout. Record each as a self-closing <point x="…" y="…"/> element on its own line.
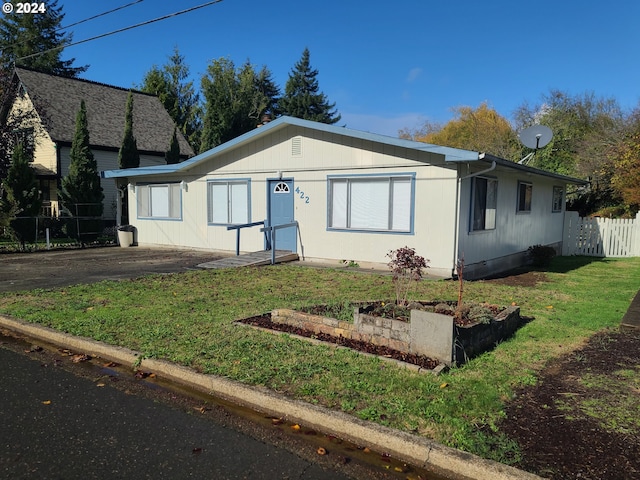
<point x="456" y="229"/>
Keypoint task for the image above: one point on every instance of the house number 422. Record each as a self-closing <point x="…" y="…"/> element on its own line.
<point x="302" y="195"/>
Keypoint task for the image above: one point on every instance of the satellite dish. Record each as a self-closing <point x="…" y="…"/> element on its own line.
<point x="536" y="136"/>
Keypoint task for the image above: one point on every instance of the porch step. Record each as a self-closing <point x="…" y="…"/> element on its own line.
<point x="253" y="259"/>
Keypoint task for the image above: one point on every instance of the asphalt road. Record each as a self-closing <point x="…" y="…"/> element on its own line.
<point x="61" y="268"/>
<point x="58" y="425"/>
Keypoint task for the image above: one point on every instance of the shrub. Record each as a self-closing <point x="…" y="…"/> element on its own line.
<point x="541" y="255"/>
<point x="406" y="267"/>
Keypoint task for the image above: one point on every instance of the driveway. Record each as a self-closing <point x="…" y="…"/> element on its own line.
<point x="61" y="268"/>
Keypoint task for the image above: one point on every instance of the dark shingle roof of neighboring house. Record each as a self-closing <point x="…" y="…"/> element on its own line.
<point x="57" y="100"/>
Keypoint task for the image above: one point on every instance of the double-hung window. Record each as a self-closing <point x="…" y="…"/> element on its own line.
<point x="228" y="202"/>
<point x="484" y="199"/>
<point x="371" y="203"/>
<point x="162" y="200"/>
<point x="525" y="191"/>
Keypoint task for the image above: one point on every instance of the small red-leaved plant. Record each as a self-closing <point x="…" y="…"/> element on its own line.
<point x="406" y="267"/>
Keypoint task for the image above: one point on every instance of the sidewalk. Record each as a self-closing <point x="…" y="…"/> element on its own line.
<point x="631" y="319"/>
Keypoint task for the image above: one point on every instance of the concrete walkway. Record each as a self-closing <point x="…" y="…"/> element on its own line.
<point x="631" y="319"/>
<point x="253" y="259"/>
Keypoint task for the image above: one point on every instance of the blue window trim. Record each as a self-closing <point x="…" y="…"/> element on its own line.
<point x="227" y="180"/>
<point x="158" y="184"/>
<point x="410" y="175"/>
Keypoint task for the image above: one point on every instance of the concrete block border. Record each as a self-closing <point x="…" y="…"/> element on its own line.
<point x="418" y="451"/>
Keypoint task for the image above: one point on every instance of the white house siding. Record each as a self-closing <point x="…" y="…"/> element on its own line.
<point x="106" y="160"/>
<point x="505" y="246"/>
<point x="322" y="154"/>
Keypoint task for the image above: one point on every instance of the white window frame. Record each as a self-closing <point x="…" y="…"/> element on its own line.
<point x="159" y="201"/>
<point x="483" y="216"/>
<point x="557" y="201"/>
<point x="525" y="197"/>
<point x="354" y="205"/>
<point x="236" y="206"/>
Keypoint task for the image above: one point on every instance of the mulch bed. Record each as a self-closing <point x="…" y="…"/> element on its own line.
<point x="556" y="447"/>
<point x="264" y="321"/>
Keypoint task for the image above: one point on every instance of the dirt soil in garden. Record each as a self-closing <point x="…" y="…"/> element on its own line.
<point x="582" y="419"/>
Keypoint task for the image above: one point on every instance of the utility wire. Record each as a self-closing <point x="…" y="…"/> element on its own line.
<point x="121" y="29"/>
<point x="77" y="23"/>
<point x="99" y="15"/>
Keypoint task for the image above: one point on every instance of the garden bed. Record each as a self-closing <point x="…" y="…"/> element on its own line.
<point x="426" y="333"/>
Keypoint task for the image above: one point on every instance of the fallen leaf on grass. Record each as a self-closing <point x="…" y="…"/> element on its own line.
<point x="444" y="385"/>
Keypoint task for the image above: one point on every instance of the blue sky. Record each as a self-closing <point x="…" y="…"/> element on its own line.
<point x="387" y="65"/>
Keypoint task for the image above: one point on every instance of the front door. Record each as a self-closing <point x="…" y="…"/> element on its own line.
<point x="280" y="212"/>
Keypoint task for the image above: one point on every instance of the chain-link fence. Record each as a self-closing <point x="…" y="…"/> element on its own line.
<point x="78" y="227"/>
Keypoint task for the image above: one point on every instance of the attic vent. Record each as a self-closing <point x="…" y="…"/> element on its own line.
<point x="296" y="146"/>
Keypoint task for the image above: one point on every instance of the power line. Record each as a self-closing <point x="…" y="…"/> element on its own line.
<point x="99" y="15"/>
<point x="122" y="29"/>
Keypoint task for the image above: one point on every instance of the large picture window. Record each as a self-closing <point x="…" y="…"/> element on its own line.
<point x="484" y="202"/>
<point x="376" y="203"/>
<point x="228" y="202"/>
<point x="159" y="201"/>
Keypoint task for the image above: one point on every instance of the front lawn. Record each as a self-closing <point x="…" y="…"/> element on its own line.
<point x="188" y="318"/>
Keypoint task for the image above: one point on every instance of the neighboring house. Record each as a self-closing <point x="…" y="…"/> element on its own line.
<point x="355" y="196"/>
<point x="56" y="101"/>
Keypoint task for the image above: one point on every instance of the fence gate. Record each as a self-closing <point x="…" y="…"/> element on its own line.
<point x="601" y="237"/>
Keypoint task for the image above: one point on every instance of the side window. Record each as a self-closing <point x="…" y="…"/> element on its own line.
<point x="525" y="191"/>
<point x="228" y="202"/>
<point x="558" y="199"/>
<point x="484" y="196"/>
<point x="162" y="201"/>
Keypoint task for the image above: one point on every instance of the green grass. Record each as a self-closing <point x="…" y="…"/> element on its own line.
<point x="188" y="318"/>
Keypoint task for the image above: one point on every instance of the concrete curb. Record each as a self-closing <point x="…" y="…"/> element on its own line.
<point x="412" y="449"/>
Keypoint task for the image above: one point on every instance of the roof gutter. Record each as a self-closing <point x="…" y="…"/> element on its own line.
<point x="490" y="169"/>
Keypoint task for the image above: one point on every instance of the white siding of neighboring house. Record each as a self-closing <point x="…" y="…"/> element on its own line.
<point x="106" y="160"/>
<point x="515" y="232"/>
<point x="323" y="154"/>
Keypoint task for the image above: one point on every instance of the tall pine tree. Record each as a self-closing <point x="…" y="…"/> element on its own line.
<point x="23" y="198"/>
<point x="36" y="41"/>
<point x="177" y="95"/>
<point x="172" y="155"/>
<point x="302" y="97"/>
<point x="81" y="192"/>
<point x="128" y="156"/>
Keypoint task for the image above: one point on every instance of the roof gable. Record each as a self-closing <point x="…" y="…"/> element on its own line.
<point x="57" y="100"/>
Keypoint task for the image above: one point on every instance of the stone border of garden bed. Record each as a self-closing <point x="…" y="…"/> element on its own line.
<point x="430" y="334"/>
<point x="409" y="366"/>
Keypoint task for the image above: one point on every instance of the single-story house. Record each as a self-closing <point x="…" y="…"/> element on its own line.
<point x="56" y="101"/>
<point x="354" y="195"/>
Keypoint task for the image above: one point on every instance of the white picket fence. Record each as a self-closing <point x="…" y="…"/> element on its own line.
<point x="601" y="237"/>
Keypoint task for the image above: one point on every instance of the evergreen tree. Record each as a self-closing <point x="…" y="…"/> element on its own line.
<point x="235" y="100"/>
<point x="38" y="34"/>
<point x="81" y="191"/>
<point x="178" y="96"/>
<point x="302" y="98"/>
<point x="23" y="199"/>
<point x="128" y="156"/>
<point x="172" y="155"/>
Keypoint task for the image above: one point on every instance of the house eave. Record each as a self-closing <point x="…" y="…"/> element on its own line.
<point x="488" y="158"/>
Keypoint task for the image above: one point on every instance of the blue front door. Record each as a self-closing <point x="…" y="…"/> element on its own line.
<point x="280" y="212"/>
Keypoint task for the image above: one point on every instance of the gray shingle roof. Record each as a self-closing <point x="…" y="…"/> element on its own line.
<point x="57" y="100"/>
